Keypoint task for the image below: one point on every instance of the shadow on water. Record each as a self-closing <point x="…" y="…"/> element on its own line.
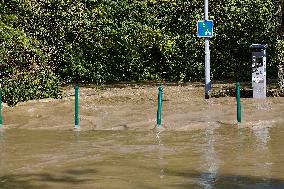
<point x="33" y="181"/>
<point x="202" y="181"/>
<point x="209" y="181"/>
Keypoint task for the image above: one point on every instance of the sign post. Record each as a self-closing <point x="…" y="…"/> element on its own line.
<point x="205" y="29"/>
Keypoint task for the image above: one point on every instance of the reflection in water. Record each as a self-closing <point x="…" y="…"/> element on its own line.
<point x="261" y="131"/>
<point x="160" y="154"/>
<point x="209" y="155"/>
<point x="211" y="160"/>
<point x="262" y="105"/>
<point x="1" y="135"/>
<point x="2" y="150"/>
<point x="77" y="135"/>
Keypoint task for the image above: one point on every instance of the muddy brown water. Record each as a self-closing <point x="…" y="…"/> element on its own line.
<point x="199" y="146"/>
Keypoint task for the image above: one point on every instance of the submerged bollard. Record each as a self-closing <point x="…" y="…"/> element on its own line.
<point x="1" y="120"/>
<point x="238" y="97"/>
<point x="159" y="112"/>
<point x="76" y="87"/>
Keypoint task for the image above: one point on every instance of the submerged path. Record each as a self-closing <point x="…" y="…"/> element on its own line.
<point x="124" y="107"/>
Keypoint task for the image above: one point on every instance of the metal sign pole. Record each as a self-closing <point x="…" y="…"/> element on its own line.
<point x="207" y="56"/>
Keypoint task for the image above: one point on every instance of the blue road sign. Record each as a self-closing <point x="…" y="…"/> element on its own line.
<point x="205" y="28"/>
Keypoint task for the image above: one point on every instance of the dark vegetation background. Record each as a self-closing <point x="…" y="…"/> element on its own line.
<point x="48" y="43"/>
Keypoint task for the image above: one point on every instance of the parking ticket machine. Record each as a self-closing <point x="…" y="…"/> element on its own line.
<point x="259" y="70"/>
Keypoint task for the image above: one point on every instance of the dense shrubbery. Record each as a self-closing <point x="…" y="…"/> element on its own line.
<point x="48" y="42"/>
<point x="29" y="86"/>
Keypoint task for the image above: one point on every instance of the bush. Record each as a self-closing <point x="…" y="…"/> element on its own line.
<point x="104" y="40"/>
<point x="28" y="86"/>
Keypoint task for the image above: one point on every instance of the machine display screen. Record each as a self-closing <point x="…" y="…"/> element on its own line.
<point x="258" y="60"/>
<point x="258" y="63"/>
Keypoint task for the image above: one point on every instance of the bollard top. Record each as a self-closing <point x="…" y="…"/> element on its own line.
<point x="76" y="85"/>
<point x="160" y="88"/>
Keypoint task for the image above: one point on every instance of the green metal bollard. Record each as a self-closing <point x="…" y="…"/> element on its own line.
<point x="238" y="96"/>
<point x="1" y="120"/>
<point x="76" y="106"/>
<point x="159" y="112"/>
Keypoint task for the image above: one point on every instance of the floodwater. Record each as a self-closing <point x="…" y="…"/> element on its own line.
<point x="199" y="145"/>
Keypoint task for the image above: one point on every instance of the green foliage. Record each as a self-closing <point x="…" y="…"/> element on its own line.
<point x="109" y="40"/>
<point x="239" y="23"/>
<point x="29" y="86"/>
<point x="25" y="73"/>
